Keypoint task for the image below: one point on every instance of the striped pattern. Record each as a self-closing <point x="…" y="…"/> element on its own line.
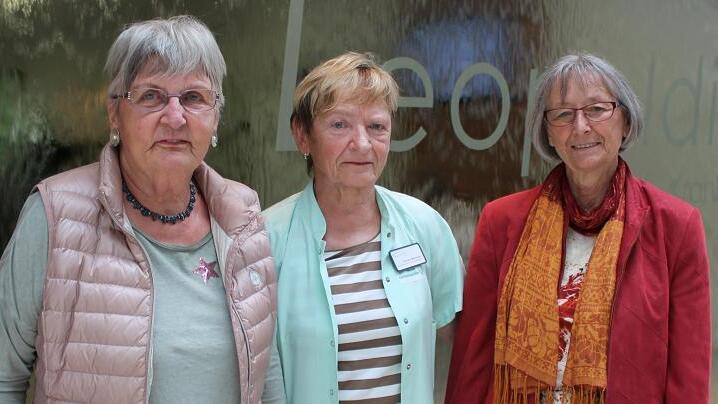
<point x="369" y="362"/>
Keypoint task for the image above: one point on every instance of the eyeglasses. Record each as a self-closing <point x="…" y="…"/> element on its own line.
<point x="155" y="99"/>
<point x="597" y="112"/>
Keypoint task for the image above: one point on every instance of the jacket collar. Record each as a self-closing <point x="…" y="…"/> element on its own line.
<point x="309" y="210"/>
<point x="385" y="206"/>
<point x="637" y="210"/>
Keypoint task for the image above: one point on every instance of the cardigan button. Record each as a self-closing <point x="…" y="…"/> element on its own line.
<point x="408" y="366"/>
<point x="406" y="320"/>
<point x="331" y="343"/>
<point x="388" y="279"/>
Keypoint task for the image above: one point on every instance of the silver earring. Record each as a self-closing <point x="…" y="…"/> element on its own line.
<point x="214" y="140"/>
<point x="306" y="156"/>
<point x="114" y="137"/>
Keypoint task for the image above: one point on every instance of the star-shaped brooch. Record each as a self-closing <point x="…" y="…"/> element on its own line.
<point x="206" y="270"/>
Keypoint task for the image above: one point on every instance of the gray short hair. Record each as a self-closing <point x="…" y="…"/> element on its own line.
<point x="177" y="45"/>
<point x="583" y="67"/>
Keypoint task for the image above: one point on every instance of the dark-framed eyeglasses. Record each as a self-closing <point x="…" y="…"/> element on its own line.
<point x="596" y="112"/>
<point x="154" y="99"/>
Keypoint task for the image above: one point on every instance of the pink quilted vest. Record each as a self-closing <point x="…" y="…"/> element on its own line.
<point x="95" y="329"/>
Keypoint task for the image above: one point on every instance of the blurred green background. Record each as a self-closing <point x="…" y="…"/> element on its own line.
<point x="52" y="90"/>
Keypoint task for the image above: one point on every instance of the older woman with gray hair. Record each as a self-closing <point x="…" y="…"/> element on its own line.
<point x="146" y="276"/>
<point x="592" y="287"/>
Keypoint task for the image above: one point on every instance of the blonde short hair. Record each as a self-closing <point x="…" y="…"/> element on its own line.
<point x="351" y="76"/>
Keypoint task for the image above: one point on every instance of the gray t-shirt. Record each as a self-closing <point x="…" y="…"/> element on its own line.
<point x="192" y="337"/>
<point x="194" y="358"/>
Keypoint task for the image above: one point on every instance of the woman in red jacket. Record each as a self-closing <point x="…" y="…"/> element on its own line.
<point x="592" y="287"/>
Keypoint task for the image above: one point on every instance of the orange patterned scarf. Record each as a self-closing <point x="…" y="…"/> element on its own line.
<point x="527" y="323"/>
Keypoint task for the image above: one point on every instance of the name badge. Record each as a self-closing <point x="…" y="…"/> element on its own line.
<point x="407" y="257"/>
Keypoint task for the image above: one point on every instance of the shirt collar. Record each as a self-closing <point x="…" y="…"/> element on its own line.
<point x="309" y="210"/>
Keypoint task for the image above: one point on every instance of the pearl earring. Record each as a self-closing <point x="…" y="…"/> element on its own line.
<point x="114" y="137"/>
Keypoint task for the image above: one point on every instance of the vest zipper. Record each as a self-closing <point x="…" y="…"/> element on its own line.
<point x="148" y="356"/>
<point x="238" y="320"/>
<point x="246" y="349"/>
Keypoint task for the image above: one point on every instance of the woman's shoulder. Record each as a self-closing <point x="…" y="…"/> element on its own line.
<point x="237" y="191"/>
<point x="407" y="205"/>
<point x="390" y="196"/>
<point x="74" y="178"/>
<point x="659" y="201"/>
<point x="512" y="205"/>
<point x="225" y="191"/>
<point x="33" y="212"/>
<point x="281" y="212"/>
<point x="277" y="222"/>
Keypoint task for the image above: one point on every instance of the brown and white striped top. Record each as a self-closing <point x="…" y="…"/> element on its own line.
<point x="369" y="359"/>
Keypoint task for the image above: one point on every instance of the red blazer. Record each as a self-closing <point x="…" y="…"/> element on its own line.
<point x="659" y="348"/>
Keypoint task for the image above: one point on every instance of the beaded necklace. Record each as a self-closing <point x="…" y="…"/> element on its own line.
<point x="171" y="219"/>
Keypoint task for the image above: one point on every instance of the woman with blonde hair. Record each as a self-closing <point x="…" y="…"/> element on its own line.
<point x="366" y="276"/>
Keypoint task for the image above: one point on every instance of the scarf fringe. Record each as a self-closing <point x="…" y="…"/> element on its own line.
<point x="512" y="386"/>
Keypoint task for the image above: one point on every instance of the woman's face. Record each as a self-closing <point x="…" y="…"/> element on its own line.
<point x="349" y="144"/>
<point x="586" y="146"/>
<point x="169" y="140"/>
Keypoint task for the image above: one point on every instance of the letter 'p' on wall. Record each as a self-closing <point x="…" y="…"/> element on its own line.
<point x="464" y="78"/>
<point x="284" y="140"/>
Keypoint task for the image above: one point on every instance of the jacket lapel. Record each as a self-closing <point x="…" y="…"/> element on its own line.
<point x="636" y="213"/>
